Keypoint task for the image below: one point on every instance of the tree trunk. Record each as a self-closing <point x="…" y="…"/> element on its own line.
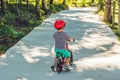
<point x="93" y="1"/>
<point x="38" y="7"/>
<point x="27" y="4"/>
<point x="64" y="2"/>
<point x="99" y="6"/>
<point x="83" y="3"/>
<point x="2" y="7"/>
<point x="107" y="12"/>
<point x="113" y="14"/>
<point x="44" y="5"/>
<point x="7" y="2"/>
<point x="51" y="2"/>
<point x="119" y="17"/>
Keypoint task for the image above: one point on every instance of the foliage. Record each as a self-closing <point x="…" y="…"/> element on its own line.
<point x="5" y="21"/>
<point x="58" y="7"/>
<point x="7" y="31"/>
<point x="10" y="32"/>
<point x="101" y="4"/>
<point x="8" y="18"/>
<point x="27" y="18"/>
<point x="116" y="32"/>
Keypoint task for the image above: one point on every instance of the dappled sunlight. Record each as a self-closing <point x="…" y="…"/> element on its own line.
<point x="92" y="63"/>
<point x="3" y="63"/>
<point x="97" y="49"/>
<point x="32" y="54"/>
<point x="92" y="39"/>
<point x="83" y="15"/>
<point x="52" y="51"/>
<point x="106" y="49"/>
<point x="95" y="41"/>
<point x="49" y="20"/>
<point x="89" y="79"/>
<point x="107" y="60"/>
<point x="74" y="19"/>
<point x="38" y="28"/>
<point x="71" y="15"/>
<point x="3" y="56"/>
<point x="90" y="9"/>
<point x="22" y="78"/>
<point x="89" y="17"/>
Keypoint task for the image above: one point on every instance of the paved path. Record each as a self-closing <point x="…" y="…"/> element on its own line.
<point x="96" y="50"/>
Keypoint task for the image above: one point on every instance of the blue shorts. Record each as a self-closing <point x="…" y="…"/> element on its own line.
<point x="65" y="53"/>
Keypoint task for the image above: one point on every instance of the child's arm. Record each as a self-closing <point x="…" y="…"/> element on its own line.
<point x="71" y="39"/>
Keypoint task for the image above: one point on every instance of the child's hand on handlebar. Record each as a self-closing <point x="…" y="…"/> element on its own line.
<point x="71" y="39"/>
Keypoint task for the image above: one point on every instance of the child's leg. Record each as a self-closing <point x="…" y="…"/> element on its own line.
<point x="55" y="60"/>
<point x="67" y="60"/>
<point x="67" y="56"/>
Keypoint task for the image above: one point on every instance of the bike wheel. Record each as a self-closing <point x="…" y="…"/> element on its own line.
<point x="59" y="65"/>
<point x="71" y="58"/>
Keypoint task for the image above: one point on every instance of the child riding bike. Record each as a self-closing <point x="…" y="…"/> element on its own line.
<point x="61" y="39"/>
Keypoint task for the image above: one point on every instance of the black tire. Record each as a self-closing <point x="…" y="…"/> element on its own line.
<point x="71" y="57"/>
<point x="59" y="65"/>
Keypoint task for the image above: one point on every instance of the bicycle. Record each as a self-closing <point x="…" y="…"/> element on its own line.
<point x="58" y="66"/>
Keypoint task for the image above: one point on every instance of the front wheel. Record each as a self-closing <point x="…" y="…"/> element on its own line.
<point x="59" y="65"/>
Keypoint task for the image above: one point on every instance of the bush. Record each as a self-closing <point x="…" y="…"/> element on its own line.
<point x="57" y="7"/>
<point x="7" y="19"/>
<point x="6" y="26"/>
<point x="12" y="33"/>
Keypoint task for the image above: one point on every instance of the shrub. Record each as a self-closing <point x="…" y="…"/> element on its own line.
<point x="6" y="26"/>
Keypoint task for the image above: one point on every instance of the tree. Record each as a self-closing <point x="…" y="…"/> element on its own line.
<point x="83" y="3"/>
<point x="100" y="5"/>
<point x="38" y="7"/>
<point x="44" y="5"/>
<point x="107" y="12"/>
<point x="113" y="13"/>
<point x="64" y="2"/>
<point x="2" y="7"/>
<point x="51" y="2"/>
<point x="93" y="1"/>
<point x="27" y="4"/>
<point x="119" y="17"/>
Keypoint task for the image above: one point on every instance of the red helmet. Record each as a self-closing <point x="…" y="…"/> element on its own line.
<point x="59" y="24"/>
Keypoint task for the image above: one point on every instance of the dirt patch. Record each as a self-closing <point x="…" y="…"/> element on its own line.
<point x="1" y="53"/>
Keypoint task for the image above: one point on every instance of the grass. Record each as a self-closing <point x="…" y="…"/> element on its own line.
<point x="115" y="30"/>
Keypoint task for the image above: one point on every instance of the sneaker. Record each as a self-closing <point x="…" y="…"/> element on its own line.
<point x="66" y="68"/>
<point x="53" y="68"/>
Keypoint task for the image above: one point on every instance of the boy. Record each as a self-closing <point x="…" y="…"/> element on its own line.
<point x="61" y="39"/>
